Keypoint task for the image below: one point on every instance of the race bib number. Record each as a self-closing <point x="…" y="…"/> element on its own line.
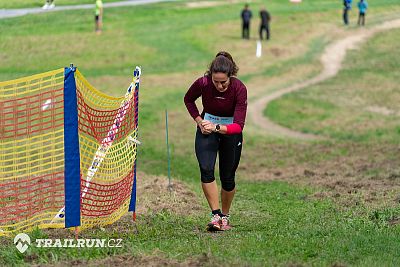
<point x="218" y="120"/>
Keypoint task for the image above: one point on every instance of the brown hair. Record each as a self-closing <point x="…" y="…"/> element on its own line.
<point x="223" y="62"/>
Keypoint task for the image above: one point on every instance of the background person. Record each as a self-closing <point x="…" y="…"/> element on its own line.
<point x="49" y="4"/>
<point x="246" y="17"/>
<point x="346" y="10"/>
<point x="99" y="16"/>
<point x="219" y="131"/>
<point x="264" y="25"/>
<point x="362" y="8"/>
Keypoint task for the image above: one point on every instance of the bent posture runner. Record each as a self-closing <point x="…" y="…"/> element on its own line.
<point x="219" y="131"/>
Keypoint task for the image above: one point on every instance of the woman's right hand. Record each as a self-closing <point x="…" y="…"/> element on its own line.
<point x="203" y="125"/>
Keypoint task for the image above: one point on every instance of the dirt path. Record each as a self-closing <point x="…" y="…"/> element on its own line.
<point x="9" y="13"/>
<point x="331" y="60"/>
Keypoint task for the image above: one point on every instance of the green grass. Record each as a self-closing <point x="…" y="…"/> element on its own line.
<point x="276" y="223"/>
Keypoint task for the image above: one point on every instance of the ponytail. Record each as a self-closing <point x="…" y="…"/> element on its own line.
<point x="223" y="62"/>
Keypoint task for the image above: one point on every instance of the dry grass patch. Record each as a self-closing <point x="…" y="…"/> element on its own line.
<point x="153" y="196"/>
<point x="157" y="258"/>
<point x="203" y="4"/>
<point x="367" y="174"/>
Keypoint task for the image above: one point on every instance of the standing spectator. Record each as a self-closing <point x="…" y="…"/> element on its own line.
<point x="49" y="4"/>
<point x="246" y="16"/>
<point x="264" y="26"/>
<point x="346" y="9"/>
<point x="99" y="16"/>
<point x="362" y="7"/>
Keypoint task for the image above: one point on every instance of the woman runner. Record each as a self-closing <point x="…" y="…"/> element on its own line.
<point x="219" y="130"/>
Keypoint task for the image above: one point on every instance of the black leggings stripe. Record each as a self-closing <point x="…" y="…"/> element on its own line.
<point x="228" y="147"/>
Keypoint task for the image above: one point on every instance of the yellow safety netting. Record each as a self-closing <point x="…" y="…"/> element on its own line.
<point x="108" y="193"/>
<point x="32" y="152"/>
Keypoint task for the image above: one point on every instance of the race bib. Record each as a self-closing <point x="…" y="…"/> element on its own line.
<point x="218" y="120"/>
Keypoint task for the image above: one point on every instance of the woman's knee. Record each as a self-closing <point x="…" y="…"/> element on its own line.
<point x="228" y="185"/>
<point x="207" y="175"/>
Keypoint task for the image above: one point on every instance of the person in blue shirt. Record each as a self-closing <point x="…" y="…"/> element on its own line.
<point x="346" y="9"/>
<point x="362" y="7"/>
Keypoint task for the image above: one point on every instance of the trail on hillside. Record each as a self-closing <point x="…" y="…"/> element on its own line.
<point x="331" y="60"/>
<point x="9" y="13"/>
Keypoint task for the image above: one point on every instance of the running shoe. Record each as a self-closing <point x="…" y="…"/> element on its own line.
<point x="224" y="224"/>
<point x="214" y="224"/>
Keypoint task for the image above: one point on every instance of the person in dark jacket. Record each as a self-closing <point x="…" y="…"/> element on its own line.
<point x="246" y="17"/>
<point x="264" y="26"/>
<point x="219" y="132"/>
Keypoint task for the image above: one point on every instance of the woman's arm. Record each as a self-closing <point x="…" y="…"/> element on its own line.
<point x="233" y="128"/>
<point x="191" y="95"/>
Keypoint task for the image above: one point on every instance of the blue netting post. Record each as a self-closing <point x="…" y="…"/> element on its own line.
<point x="72" y="172"/>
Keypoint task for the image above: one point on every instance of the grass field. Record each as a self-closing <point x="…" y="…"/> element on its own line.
<point x="299" y="203"/>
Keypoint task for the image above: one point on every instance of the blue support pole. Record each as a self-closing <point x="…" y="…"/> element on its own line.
<point x="72" y="172"/>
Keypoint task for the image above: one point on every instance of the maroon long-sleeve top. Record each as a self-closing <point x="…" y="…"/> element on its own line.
<point x="231" y="103"/>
